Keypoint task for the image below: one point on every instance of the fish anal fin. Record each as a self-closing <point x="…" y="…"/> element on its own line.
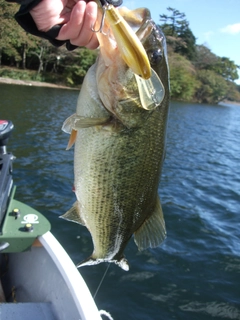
<point x="152" y="232"/>
<point x="74" y="214"/>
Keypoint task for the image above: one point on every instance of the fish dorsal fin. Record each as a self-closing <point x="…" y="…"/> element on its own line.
<point x="74" y="214"/>
<point x="152" y="232"/>
<point x="151" y="91"/>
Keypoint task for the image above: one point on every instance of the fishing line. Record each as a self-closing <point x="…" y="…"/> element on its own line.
<point x="103" y="277"/>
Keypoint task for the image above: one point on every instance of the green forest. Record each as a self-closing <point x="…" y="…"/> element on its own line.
<point x="196" y="73"/>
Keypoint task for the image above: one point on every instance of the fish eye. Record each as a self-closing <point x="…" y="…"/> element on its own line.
<point x="155" y="56"/>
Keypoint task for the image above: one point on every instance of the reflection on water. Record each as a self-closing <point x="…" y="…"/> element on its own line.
<point x="196" y="273"/>
<point x="213" y="309"/>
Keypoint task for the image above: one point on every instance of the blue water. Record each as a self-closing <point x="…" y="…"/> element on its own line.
<point x="195" y="274"/>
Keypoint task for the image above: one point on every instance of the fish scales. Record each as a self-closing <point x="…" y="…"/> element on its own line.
<point x="117" y="186"/>
<point x="117" y="166"/>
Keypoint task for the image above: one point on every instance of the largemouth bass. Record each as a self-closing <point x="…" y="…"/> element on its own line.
<point x="120" y="127"/>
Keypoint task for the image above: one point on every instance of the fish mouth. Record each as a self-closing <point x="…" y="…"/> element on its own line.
<point x="120" y="48"/>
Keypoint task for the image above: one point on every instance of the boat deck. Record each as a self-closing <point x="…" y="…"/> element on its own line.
<point x="27" y="311"/>
<point x="43" y="283"/>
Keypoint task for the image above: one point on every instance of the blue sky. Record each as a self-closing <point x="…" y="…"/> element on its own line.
<point x="215" y="23"/>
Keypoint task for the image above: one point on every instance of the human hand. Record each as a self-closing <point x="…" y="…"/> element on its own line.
<point x="76" y="17"/>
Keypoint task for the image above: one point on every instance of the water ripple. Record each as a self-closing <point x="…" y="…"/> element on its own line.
<point x="195" y="274"/>
<point x="214" y="309"/>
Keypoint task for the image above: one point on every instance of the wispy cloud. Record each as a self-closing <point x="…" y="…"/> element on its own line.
<point x="130" y="4"/>
<point x="231" y="28"/>
<point x="207" y="35"/>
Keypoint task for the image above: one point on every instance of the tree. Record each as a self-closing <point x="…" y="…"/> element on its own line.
<point x="213" y="87"/>
<point x="204" y="58"/>
<point x="195" y="72"/>
<point x="188" y="49"/>
<point x="173" y="23"/>
<point x="178" y="34"/>
<point x="223" y="66"/>
<point x="6" y="18"/>
<point x="183" y="82"/>
<point x="77" y="64"/>
<point x="226" y="68"/>
<point x="14" y="41"/>
<point x="233" y="93"/>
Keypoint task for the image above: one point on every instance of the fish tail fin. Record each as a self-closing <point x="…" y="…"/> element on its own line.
<point x="90" y="261"/>
<point x="152" y="232"/>
<point x="74" y="214"/>
<point x="122" y="262"/>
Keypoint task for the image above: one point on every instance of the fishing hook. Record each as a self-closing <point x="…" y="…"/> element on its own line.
<point x="102" y="21"/>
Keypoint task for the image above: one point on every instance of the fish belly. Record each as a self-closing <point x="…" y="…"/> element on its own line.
<point x="116" y="182"/>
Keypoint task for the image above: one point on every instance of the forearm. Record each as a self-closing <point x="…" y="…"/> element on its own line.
<point x="25" y="20"/>
<point x="60" y="21"/>
<point x="24" y="2"/>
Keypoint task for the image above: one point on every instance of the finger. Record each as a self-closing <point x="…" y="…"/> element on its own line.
<point x="86" y="36"/>
<point x="93" y="43"/>
<point x="71" y="29"/>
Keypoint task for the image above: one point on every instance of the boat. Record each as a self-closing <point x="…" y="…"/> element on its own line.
<point x="38" y="278"/>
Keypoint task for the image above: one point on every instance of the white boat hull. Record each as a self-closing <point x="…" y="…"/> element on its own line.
<point x="45" y="278"/>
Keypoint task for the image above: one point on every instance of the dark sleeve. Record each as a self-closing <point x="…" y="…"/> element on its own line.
<point x="25" y="2"/>
<point x="25" y="20"/>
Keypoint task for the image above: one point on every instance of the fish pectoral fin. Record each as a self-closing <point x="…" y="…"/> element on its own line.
<point x="84" y="122"/>
<point x="74" y="214"/>
<point x="76" y="122"/>
<point x="73" y="123"/>
<point x="68" y="124"/>
<point x="152" y="232"/>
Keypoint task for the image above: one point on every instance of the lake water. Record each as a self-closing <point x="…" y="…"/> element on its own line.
<point x="195" y="274"/>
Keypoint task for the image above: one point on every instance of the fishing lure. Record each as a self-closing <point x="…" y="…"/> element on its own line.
<point x="130" y="47"/>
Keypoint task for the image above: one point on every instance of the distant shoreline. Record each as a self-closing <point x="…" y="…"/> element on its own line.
<point x="51" y="85"/>
<point x="232" y="103"/>
<point x="34" y="83"/>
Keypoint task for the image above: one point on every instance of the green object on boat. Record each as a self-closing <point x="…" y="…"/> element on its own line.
<point x="21" y="226"/>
